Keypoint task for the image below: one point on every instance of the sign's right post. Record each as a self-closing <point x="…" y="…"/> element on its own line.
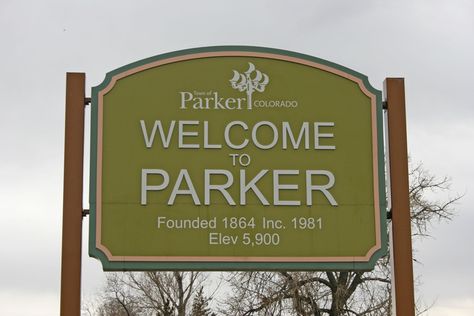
<point x="403" y="291"/>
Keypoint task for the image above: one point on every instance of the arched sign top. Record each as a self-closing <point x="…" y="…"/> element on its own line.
<point x="228" y="51"/>
<point x="236" y="157"/>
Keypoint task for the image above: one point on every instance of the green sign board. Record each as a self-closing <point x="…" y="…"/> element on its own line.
<point x="235" y="158"/>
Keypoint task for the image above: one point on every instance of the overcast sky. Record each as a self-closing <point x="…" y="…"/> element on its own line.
<point x="428" y="42"/>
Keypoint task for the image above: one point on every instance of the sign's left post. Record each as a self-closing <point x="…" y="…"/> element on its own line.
<point x="72" y="195"/>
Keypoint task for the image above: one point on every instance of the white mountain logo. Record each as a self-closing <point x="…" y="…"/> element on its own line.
<point x="245" y="82"/>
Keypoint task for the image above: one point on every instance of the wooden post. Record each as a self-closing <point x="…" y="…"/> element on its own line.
<point x="403" y="301"/>
<point x="72" y="196"/>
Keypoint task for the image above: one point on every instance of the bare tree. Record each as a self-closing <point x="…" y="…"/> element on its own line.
<point x="150" y="293"/>
<point x="201" y="305"/>
<point x="337" y="293"/>
<point x="425" y="204"/>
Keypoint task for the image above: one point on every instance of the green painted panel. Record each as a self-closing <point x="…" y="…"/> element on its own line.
<point x="302" y="128"/>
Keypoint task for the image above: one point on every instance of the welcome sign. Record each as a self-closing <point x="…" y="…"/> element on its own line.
<point x="228" y="158"/>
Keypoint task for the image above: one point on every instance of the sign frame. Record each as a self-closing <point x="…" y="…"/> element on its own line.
<point x="261" y="264"/>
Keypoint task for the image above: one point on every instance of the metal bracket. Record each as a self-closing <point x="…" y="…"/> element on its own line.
<point x="87" y="101"/>
<point x="85" y="213"/>
<point x="389" y="214"/>
<point x="384" y="105"/>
